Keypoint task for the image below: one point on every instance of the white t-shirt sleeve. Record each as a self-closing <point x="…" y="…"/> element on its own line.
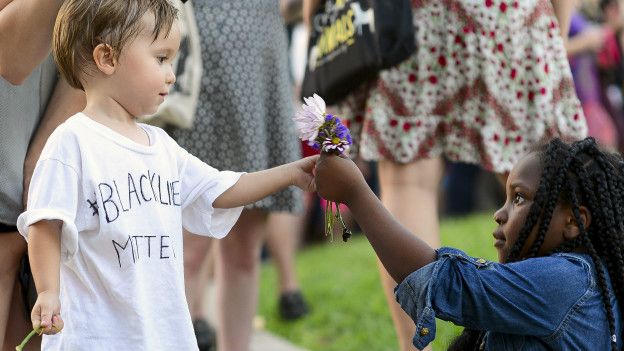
<point x="201" y="185"/>
<point x="54" y="191"/>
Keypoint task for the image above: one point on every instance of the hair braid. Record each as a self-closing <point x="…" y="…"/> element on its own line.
<point x="602" y="280"/>
<point x="535" y="211"/>
<point x="553" y="199"/>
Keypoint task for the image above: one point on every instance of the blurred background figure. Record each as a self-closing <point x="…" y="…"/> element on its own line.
<point x="32" y="104"/>
<point x="595" y="53"/>
<point x="586" y="41"/>
<point x="244" y="122"/>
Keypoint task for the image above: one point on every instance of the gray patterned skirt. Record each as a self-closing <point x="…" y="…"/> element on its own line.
<point x="245" y="110"/>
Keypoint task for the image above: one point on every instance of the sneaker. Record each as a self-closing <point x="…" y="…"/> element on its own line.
<point x="206" y="335"/>
<point x="292" y="305"/>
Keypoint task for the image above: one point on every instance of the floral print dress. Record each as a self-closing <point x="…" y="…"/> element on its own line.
<point x="489" y="78"/>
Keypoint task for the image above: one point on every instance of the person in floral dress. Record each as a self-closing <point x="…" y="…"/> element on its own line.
<point x="489" y="78"/>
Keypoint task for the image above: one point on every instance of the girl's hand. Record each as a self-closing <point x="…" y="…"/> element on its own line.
<point x="338" y="179"/>
<point x="302" y="173"/>
<point x="46" y="314"/>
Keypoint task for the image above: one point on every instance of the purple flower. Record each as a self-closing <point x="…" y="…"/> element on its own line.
<point x="321" y="130"/>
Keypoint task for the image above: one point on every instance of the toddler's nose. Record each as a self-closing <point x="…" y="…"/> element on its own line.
<point x="171" y="77"/>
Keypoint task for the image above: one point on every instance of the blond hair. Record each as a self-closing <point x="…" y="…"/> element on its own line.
<point x="82" y="25"/>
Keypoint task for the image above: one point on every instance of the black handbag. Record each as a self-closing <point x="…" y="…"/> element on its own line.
<point x="352" y="40"/>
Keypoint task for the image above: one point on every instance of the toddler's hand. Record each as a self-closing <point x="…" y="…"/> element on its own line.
<point x="338" y="179"/>
<point x="302" y="173"/>
<point x="46" y="314"/>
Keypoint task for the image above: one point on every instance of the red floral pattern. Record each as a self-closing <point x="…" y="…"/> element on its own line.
<point x="489" y="79"/>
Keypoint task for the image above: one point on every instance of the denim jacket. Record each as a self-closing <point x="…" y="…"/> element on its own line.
<point x="545" y="303"/>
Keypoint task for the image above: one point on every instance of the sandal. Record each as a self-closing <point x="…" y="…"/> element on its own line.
<point x="292" y="305"/>
<point x="205" y="334"/>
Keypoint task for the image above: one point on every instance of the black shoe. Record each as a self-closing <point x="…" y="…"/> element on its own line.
<point x="205" y="335"/>
<point x="292" y="305"/>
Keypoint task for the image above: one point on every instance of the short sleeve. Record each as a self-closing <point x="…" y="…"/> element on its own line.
<point x="201" y="185"/>
<point x="515" y="298"/>
<point x="53" y="195"/>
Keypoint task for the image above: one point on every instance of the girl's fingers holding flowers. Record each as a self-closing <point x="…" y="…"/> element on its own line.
<point x="338" y="178"/>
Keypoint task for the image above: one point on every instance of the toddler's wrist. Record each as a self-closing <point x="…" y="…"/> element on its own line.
<point x="292" y="170"/>
<point x="49" y="292"/>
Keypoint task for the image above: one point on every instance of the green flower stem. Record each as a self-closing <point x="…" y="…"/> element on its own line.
<point x="329" y="220"/>
<point x="21" y="346"/>
<point x="339" y="216"/>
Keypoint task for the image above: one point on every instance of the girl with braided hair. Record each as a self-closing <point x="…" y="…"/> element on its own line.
<point x="560" y="241"/>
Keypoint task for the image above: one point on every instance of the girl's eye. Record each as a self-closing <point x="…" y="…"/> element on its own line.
<point x="518" y="199"/>
<point x="161" y="59"/>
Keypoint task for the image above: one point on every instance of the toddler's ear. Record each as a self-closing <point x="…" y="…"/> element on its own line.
<point x="105" y="58"/>
<point x="572" y="228"/>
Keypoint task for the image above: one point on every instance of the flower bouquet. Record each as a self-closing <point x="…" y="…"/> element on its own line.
<point x="324" y="132"/>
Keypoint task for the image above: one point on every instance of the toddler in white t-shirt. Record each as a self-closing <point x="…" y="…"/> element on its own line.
<point x="109" y="196"/>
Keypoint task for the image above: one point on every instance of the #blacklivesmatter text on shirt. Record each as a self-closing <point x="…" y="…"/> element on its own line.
<point x="117" y="201"/>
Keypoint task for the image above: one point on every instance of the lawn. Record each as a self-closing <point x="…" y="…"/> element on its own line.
<point x="341" y="282"/>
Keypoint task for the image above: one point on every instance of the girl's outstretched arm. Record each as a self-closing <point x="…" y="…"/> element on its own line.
<point x="255" y="186"/>
<point x="338" y="179"/>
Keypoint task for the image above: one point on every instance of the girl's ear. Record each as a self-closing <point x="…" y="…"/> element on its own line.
<point x="572" y="228"/>
<point x="105" y="58"/>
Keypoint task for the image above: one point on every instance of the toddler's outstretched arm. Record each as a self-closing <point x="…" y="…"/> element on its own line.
<point x="338" y="179"/>
<point x="44" y="253"/>
<point x="255" y="186"/>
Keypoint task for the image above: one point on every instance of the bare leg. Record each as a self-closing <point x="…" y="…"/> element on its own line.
<point x="283" y="235"/>
<point x="410" y="193"/>
<point x="20" y="325"/>
<point x="13" y="247"/>
<point x="196" y="249"/>
<point x="238" y="260"/>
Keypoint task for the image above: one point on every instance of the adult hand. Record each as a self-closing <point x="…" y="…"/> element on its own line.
<point x="46" y="314"/>
<point x="338" y="178"/>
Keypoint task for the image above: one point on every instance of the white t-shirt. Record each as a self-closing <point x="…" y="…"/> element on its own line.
<point x="123" y="206"/>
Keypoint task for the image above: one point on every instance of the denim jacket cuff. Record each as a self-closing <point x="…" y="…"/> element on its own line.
<point x="414" y="296"/>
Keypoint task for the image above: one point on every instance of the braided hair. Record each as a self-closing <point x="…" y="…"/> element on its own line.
<point x="577" y="174"/>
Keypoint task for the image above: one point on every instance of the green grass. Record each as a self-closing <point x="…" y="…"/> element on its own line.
<point x="341" y="282"/>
